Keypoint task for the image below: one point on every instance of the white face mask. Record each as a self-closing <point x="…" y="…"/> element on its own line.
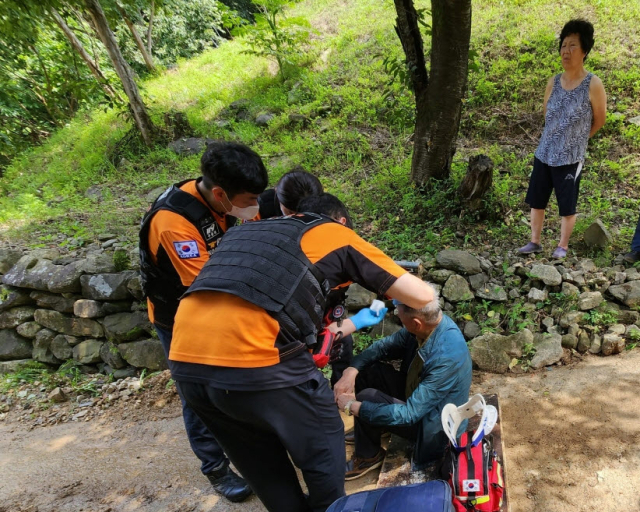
<point x="247" y="213"/>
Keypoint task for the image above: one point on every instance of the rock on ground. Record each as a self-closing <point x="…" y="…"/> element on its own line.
<point x="548" y="350"/>
<point x="548" y="274"/>
<point x="492" y="352"/>
<point x="456" y="289"/>
<point x="597" y="235"/>
<point x="459" y="261"/>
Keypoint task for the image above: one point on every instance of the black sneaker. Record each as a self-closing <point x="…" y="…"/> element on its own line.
<point x="632" y="257"/>
<point x="229" y="485"/>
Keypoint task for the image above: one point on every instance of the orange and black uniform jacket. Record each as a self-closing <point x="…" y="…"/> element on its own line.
<point x="168" y="228"/>
<point x="227" y="342"/>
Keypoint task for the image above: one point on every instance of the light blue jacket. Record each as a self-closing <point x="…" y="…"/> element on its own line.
<point x="445" y="378"/>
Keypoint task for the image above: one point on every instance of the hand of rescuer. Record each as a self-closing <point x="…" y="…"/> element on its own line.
<point x="363" y="318"/>
<point x="367" y="318"/>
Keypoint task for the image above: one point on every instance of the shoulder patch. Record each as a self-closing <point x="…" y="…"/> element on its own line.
<point x="187" y="249"/>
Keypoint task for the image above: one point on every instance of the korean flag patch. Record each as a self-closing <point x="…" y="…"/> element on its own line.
<point x="471" y="485"/>
<point x="187" y="250"/>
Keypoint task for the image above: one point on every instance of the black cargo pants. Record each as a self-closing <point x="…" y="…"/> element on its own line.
<point x="260" y="430"/>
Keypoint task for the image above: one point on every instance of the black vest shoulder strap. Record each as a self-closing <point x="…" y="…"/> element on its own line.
<point x="161" y="282"/>
<point x="184" y="204"/>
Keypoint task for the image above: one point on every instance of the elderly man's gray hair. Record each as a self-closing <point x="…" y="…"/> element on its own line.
<point x="431" y="312"/>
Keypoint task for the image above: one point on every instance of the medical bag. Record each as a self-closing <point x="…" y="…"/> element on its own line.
<point x="432" y="496"/>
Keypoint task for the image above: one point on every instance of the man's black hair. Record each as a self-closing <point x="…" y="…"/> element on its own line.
<point x="583" y="29"/>
<point x="295" y="186"/>
<point x="234" y="167"/>
<point x="326" y="204"/>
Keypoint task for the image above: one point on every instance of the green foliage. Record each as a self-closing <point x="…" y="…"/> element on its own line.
<point x="361" y="341"/>
<point x="68" y="375"/>
<point x="504" y="318"/>
<point x="601" y="317"/>
<point x="44" y="81"/>
<point x="563" y="301"/>
<point x="180" y="30"/>
<point x="518" y="317"/>
<point x="276" y="36"/>
<point x="634" y="336"/>
<point x="26" y="373"/>
<point x="528" y="351"/>
<point x="361" y="149"/>
<point x="121" y="260"/>
<point x="72" y="376"/>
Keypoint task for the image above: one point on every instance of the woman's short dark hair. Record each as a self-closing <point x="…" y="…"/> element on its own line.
<point x="295" y="186"/>
<point x="326" y="204"/>
<point x="583" y="29"/>
<point x="234" y="167"/>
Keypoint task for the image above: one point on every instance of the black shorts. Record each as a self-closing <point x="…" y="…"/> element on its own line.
<point x="564" y="179"/>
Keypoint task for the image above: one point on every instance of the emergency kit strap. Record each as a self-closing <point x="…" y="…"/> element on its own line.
<point x="471" y="474"/>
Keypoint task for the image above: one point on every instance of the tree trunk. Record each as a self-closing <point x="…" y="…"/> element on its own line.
<point x="408" y="31"/>
<point x="477" y="181"/>
<point x="438" y="109"/>
<point x="151" y="14"/>
<point x="77" y="46"/>
<point x="138" y="108"/>
<point x="132" y="28"/>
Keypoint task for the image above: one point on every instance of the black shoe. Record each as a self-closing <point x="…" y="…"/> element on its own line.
<point x="632" y="257"/>
<point x="229" y="485"/>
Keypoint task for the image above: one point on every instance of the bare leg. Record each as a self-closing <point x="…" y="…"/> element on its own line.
<point x="537" y="220"/>
<point x="566" y="228"/>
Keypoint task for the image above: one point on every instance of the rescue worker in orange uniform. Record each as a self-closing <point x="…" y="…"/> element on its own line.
<point x="177" y="237"/>
<point x="241" y="348"/>
<point x="284" y="199"/>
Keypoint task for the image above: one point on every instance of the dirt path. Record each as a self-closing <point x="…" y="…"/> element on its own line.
<point x="572" y="440"/>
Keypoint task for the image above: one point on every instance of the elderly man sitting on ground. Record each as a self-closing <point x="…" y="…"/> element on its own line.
<point x="435" y="370"/>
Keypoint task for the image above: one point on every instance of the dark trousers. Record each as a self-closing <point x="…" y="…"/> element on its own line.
<point x="344" y="361"/>
<point x="202" y="442"/>
<point x="379" y="383"/>
<point x="262" y="432"/>
<point x="635" y="243"/>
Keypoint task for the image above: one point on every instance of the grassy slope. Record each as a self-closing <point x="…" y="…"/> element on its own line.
<point x="361" y="150"/>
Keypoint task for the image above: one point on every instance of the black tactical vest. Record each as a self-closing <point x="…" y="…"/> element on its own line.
<point x="262" y="263"/>
<point x="161" y="282"/>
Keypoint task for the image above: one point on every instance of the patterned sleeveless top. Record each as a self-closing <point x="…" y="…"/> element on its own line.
<point x="566" y="125"/>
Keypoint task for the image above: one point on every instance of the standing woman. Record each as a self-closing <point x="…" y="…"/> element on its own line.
<point x="575" y="108"/>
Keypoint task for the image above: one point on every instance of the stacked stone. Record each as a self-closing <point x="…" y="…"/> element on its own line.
<point x="461" y="277"/>
<point x="53" y="309"/>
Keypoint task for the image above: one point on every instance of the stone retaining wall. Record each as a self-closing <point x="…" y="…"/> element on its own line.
<point x="530" y="313"/>
<point x="55" y="308"/>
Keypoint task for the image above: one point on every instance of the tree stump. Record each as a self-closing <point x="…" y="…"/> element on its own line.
<point x="177" y="124"/>
<point x="477" y="182"/>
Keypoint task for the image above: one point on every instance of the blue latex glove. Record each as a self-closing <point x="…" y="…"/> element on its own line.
<point x="367" y="318"/>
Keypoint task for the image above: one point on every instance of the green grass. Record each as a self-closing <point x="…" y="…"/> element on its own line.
<point x="361" y="149"/>
<point x="68" y="375"/>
